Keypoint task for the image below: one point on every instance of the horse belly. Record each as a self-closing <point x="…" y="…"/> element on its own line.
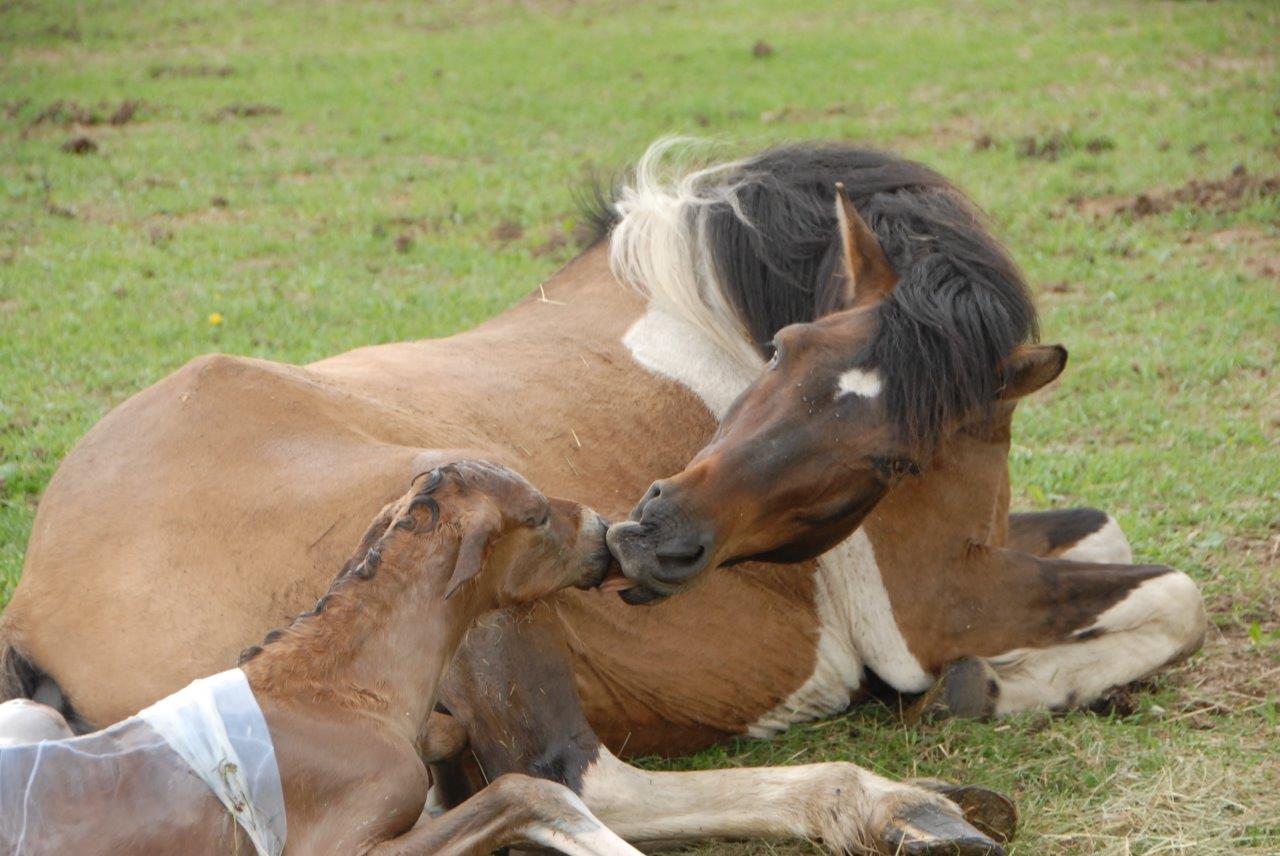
<point x="694" y="670"/>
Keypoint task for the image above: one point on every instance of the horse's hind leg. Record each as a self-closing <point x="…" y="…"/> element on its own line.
<point x="1078" y="534"/>
<point x="512" y="687"/>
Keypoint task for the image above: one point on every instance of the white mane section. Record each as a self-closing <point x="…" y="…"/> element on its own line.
<point x="660" y="245"/>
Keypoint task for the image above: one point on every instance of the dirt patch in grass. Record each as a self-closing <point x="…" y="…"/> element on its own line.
<point x="246" y="111"/>
<point x="507" y="230"/>
<point x="188" y="71"/>
<point x="79" y="146"/>
<point x="65" y="112"/>
<point x="1224" y="194"/>
<point x="1259" y="249"/>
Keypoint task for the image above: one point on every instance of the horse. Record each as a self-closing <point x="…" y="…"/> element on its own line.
<point x="201" y="511"/>
<point x="314" y="740"/>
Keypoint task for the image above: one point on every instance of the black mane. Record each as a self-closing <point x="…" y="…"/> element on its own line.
<point x="960" y="307"/>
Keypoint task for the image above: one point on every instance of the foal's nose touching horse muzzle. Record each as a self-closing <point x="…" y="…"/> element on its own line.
<point x="660" y="549"/>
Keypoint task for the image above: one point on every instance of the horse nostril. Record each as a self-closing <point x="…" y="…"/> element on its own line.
<point x="686" y="553"/>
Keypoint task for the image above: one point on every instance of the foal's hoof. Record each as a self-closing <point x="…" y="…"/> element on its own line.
<point x="989" y="812"/>
<point x="926" y="830"/>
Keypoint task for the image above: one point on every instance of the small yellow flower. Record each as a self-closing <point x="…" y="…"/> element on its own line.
<point x="215" y="319"/>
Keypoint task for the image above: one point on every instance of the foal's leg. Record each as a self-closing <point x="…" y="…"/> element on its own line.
<point x="512" y="687"/>
<point x="514" y="809"/>
<point x="1055" y="634"/>
<point x="1078" y="534"/>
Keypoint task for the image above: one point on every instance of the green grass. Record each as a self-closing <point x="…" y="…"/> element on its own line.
<point x="365" y="210"/>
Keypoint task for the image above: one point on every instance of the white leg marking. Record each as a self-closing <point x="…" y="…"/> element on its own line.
<point x="840" y="804"/>
<point x="1160" y="620"/>
<point x="1108" y="544"/>
<point x="857" y="628"/>
<point x="577" y="832"/>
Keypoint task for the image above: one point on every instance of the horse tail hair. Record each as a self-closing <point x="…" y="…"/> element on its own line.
<point x="18" y="676"/>
<point x="22" y="678"/>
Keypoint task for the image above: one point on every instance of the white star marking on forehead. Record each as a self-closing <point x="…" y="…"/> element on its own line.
<point x="864" y="382"/>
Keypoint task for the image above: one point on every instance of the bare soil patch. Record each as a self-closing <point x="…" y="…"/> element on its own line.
<point x="1224" y="194"/>
<point x="186" y="71"/>
<point x="65" y="112"/>
<point x="246" y="111"/>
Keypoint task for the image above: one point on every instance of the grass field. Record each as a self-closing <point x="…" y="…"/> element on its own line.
<point x="293" y="179"/>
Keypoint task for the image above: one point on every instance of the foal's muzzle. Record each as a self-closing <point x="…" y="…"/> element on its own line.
<point x="662" y="548"/>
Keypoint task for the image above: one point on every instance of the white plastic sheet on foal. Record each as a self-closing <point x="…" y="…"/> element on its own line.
<point x="216" y="726"/>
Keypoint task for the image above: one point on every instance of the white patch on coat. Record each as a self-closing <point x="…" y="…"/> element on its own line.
<point x="864" y="382"/>
<point x="1108" y="544"/>
<point x="1159" y="621"/>
<point x="856" y="623"/>
<point x="856" y="629"/>
<point x="661" y="248"/>
<point x="671" y="346"/>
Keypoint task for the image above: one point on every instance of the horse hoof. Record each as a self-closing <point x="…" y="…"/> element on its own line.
<point x="926" y="830"/>
<point x="989" y="812"/>
<point x="966" y="688"/>
<point x="969" y="689"/>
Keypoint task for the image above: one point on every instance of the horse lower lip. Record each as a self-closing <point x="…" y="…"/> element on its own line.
<point x="616" y="582"/>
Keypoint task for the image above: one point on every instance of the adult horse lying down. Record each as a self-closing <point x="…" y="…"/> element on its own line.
<point x="316" y="738"/>
<point x="205" y="509"/>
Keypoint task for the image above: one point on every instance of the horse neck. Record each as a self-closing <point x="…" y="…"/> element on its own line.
<point x="379" y="644"/>
<point x="958" y="503"/>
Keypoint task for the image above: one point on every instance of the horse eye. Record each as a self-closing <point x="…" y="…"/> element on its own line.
<point x="905" y="467"/>
<point x="773" y="360"/>
<point x="895" y="468"/>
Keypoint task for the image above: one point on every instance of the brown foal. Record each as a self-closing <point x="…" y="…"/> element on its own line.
<point x="347" y="693"/>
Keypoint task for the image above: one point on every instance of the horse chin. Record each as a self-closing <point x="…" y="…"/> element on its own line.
<point x="641" y="595"/>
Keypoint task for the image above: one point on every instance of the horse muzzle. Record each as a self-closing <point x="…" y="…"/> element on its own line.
<point x="661" y="549"/>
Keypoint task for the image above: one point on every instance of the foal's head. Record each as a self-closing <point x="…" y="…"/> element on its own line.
<point x="849" y="406"/>
<point x="470" y="530"/>
<point x="511" y="543"/>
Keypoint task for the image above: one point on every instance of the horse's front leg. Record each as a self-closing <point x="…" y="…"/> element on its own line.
<point x="512" y="687"/>
<point x="1029" y="633"/>
<point x="1078" y="534"/>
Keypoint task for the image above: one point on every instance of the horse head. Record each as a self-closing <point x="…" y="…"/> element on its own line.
<point x="848" y="406"/>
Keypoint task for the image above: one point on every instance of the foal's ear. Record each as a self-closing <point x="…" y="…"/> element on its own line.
<point x="479" y="532"/>
<point x="1029" y="368"/>
<point x="868" y="275"/>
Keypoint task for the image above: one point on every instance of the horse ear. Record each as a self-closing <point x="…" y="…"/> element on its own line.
<point x="1029" y="368"/>
<point x="867" y="271"/>
<point x="479" y="532"/>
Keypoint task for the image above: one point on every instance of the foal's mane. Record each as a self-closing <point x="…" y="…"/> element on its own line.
<point x="365" y="561"/>
<point x="742" y="249"/>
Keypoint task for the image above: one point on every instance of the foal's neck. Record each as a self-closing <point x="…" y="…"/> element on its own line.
<point x="378" y="644"/>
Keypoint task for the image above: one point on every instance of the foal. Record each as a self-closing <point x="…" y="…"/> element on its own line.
<point x="323" y="722"/>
